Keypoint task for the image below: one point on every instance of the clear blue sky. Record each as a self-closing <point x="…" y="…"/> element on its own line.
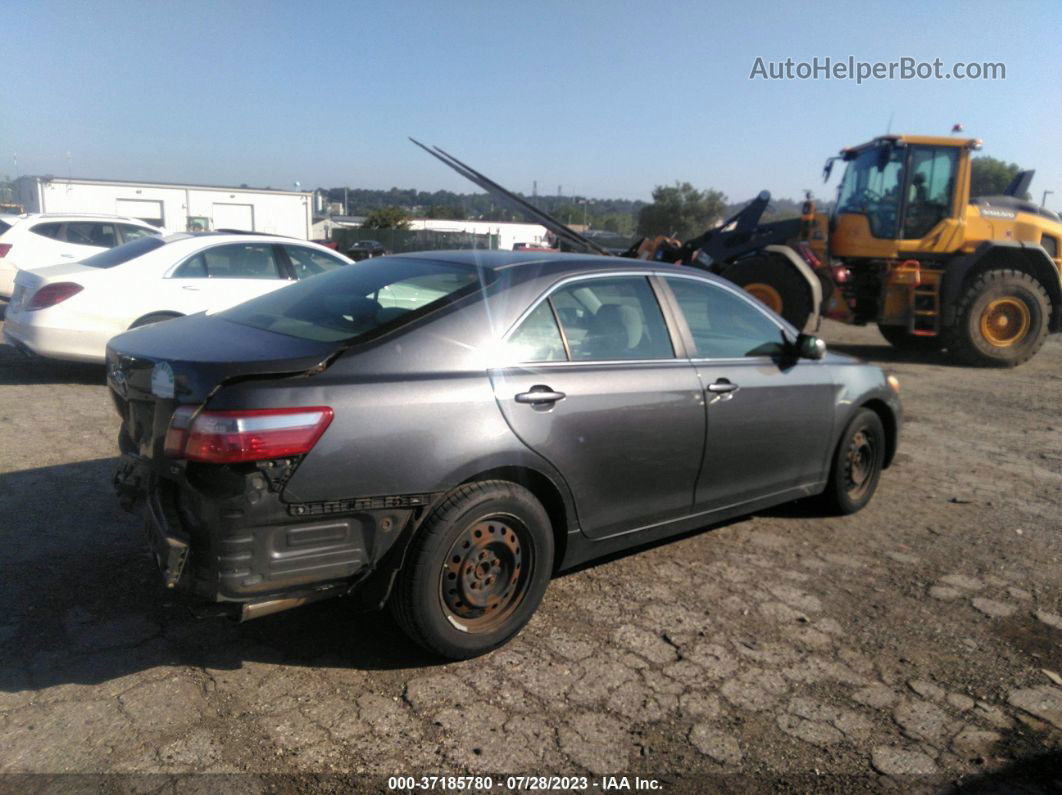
<point x="603" y="98"/>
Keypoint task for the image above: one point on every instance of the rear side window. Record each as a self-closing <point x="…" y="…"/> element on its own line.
<point x="237" y="261"/>
<point x="612" y="319"/>
<point x="308" y="262"/>
<point x="537" y="339"/>
<point x="51" y="231"/>
<point x="4" y="226"/>
<point x="356" y="300"/>
<point x="725" y="325"/>
<point x="123" y="253"/>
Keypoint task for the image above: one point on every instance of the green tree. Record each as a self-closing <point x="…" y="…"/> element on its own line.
<point x="990" y="177"/>
<point x="391" y="217"/>
<point x="680" y="211"/>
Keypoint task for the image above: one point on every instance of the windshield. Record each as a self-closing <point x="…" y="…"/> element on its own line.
<point x="123" y="253"/>
<point x="871" y="187"/>
<point x="354" y="300"/>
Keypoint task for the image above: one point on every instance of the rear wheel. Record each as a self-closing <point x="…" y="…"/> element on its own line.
<point x="477" y="570"/>
<point x="776" y="283"/>
<point x="902" y="339"/>
<point x="1001" y="319"/>
<point x="857" y="464"/>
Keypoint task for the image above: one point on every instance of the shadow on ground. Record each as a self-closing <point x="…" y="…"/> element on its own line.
<point x="83" y="601"/>
<point x="18" y="368"/>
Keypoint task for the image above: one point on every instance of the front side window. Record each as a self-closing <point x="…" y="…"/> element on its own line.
<point x="612" y="319"/>
<point x="871" y="187"/>
<point x="930" y="190"/>
<point x="348" y="303"/>
<point x="237" y="261"/>
<point x="537" y="339"/>
<point x="725" y="325"/>
<point x="308" y="262"/>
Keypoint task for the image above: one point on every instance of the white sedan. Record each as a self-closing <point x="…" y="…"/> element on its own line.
<point x="69" y="311"/>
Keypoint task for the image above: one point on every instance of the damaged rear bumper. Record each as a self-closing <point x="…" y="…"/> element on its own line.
<point x="225" y="537"/>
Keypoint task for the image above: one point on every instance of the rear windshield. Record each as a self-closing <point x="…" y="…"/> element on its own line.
<point x="124" y="252"/>
<point x="356" y="299"/>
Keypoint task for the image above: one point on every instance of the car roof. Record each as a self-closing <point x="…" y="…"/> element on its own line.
<point x="542" y="262"/>
<point x="27" y="217"/>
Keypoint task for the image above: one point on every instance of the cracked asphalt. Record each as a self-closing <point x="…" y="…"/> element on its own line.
<point x="919" y="641"/>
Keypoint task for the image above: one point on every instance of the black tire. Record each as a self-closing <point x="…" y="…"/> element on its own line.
<point x="155" y="317"/>
<point x="903" y="340"/>
<point x="791" y="296"/>
<point x="1014" y="290"/>
<point x="489" y="543"/>
<point x="857" y="464"/>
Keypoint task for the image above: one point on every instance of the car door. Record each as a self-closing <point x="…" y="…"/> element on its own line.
<point x="769" y="414"/>
<point x="224" y="275"/>
<point x="596" y="388"/>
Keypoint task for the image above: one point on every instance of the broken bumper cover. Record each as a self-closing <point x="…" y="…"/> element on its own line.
<point x="225" y="536"/>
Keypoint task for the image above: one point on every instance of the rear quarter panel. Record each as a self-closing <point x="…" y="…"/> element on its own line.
<point x="414" y="413"/>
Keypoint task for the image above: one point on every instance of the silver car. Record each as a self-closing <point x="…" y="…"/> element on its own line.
<point x="444" y="431"/>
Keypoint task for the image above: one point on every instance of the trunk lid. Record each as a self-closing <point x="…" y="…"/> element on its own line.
<point x="152" y="370"/>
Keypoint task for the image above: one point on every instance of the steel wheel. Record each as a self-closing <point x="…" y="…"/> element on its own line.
<point x="476" y="570"/>
<point x="858" y="461"/>
<point x="862" y="461"/>
<point x="486" y="574"/>
<point x="1005" y="321"/>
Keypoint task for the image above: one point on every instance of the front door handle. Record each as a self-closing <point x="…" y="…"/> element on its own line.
<point x="722" y="387"/>
<point x="189" y="287"/>
<point x="539" y="394"/>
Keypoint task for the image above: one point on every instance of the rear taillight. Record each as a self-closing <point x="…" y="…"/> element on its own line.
<point x="229" y="437"/>
<point x="4" y="248"/>
<point x="52" y="294"/>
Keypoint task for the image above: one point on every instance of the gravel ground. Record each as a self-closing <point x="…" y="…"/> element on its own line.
<point x="916" y="643"/>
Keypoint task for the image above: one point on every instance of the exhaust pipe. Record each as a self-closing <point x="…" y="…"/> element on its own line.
<point x="252" y="610"/>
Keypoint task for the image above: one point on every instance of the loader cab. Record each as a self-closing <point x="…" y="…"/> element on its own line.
<point x="896" y="190"/>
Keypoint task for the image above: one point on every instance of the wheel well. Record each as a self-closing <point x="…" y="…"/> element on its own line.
<point x="1032" y="260"/>
<point x="888" y="421"/>
<point x="169" y="315"/>
<point x="546" y="492"/>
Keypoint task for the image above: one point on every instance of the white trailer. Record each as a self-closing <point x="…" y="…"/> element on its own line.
<point x="174" y="208"/>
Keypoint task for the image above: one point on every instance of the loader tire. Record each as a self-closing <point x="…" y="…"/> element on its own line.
<point x="903" y="340"/>
<point x="1001" y="319"/>
<point x="776" y="283"/>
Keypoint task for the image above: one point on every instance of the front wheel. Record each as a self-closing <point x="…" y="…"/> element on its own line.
<point x="477" y="570"/>
<point x="857" y="464"/>
<point x="1001" y="320"/>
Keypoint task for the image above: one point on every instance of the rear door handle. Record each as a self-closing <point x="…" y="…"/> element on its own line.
<point x="722" y="387"/>
<point x="189" y="287"/>
<point x="539" y="394"/>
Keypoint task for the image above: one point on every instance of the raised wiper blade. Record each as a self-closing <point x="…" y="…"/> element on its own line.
<point x="520" y="205"/>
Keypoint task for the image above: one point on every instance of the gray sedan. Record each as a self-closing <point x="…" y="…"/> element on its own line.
<point x="442" y="432"/>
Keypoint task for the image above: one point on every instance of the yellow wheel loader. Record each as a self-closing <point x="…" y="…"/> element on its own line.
<point x="904" y="247"/>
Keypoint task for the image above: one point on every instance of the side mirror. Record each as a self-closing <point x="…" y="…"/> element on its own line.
<point x="810" y="347"/>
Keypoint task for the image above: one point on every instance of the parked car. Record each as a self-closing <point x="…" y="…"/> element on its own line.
<point x="444" y="431"/>
<point x="41" y="239"/>
<point x="70" y="311"/>
<point x="364" y="249"/>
